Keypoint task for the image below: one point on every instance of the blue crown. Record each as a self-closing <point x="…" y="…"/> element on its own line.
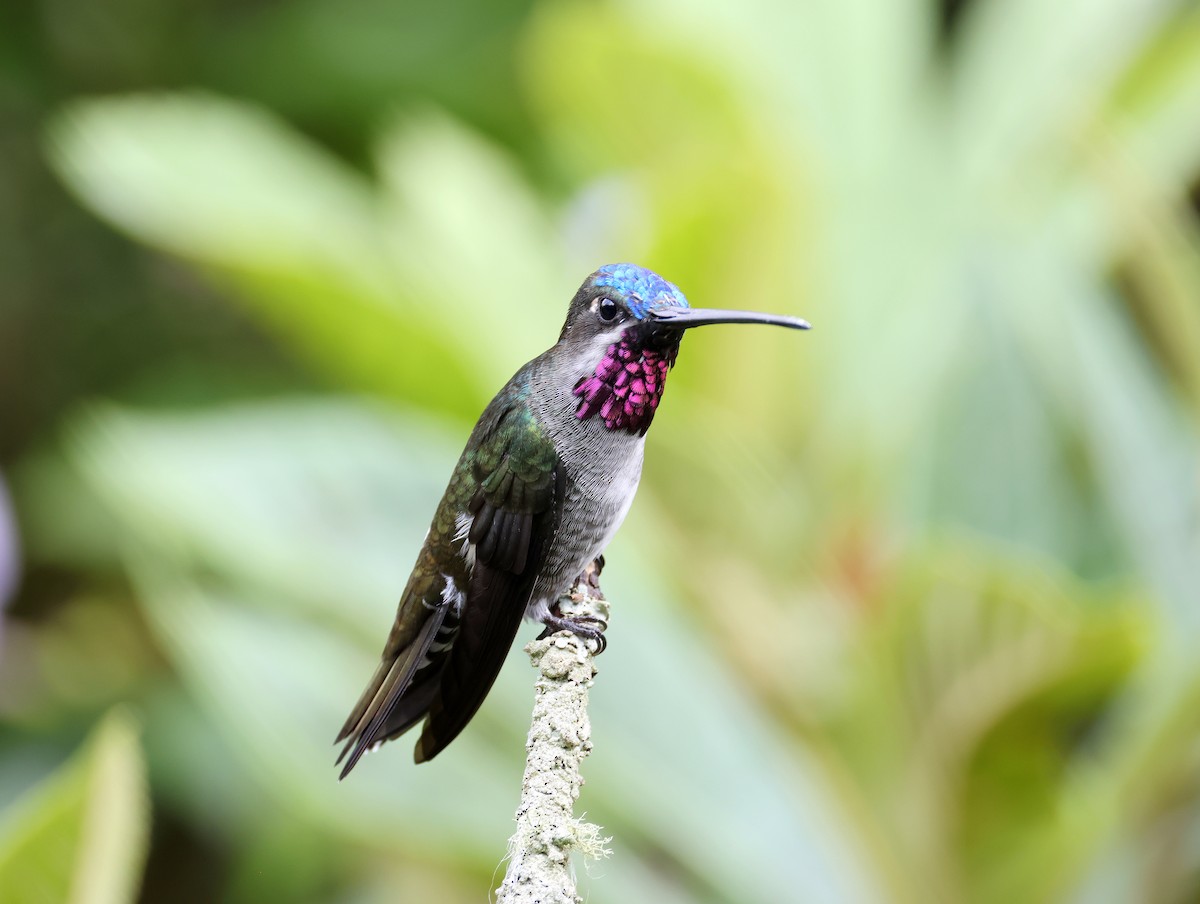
<point x="642" y="290"/>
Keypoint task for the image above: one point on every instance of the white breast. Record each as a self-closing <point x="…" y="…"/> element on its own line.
<point x="603" y="468"/>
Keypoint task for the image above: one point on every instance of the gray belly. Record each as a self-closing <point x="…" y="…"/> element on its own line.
<point x="602" y="477"/>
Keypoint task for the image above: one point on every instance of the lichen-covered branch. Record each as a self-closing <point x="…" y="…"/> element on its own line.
<point x="560" y="736"/>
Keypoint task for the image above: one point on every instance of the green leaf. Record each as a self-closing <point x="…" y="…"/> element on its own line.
<point x="81" y="837"/>
<point x="296" y="234"/>
<point x="1070" y="54"/>
<point x="978" y="696"/>
<point x="215" y="180"/>
<point x="322" y="502"/>
<point x="1154" y="107"/>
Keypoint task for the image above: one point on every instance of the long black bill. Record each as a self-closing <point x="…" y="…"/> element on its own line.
<point x="686" y="318"/>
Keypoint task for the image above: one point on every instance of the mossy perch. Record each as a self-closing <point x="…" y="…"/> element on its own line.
<point x="560" y="736"/>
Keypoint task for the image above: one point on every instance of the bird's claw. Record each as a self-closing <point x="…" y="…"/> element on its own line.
<point x="590" y="629"/>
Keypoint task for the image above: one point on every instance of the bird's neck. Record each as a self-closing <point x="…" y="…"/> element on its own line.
<point x="627" y="385"/>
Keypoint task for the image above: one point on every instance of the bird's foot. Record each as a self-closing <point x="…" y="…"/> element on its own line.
<point x="583" y="611"/>
<point x="585" y="626"/>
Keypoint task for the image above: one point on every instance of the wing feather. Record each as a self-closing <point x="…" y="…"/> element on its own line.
<point x="385" y="692"/>
<point x="445" y="649"/>
<point x="512" y="539"/>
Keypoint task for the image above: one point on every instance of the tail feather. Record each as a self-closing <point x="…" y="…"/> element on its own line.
<point x="373" y="719"/>
<point x="488" y="628"/>
<point x="365" y="700"/>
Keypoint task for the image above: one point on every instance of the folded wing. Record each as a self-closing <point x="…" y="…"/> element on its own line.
<point x="463" y="604"/>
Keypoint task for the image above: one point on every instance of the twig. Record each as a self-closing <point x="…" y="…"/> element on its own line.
<point x="560" y="736"/>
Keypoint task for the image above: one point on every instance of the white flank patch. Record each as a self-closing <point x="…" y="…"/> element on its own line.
<point x="462" y="527"/>
<point x="452" y="596"/>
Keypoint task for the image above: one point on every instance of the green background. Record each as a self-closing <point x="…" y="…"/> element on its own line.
<point x="906" y="608"/>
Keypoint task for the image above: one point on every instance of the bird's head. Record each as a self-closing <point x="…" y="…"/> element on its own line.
<point x="623" y="330"/>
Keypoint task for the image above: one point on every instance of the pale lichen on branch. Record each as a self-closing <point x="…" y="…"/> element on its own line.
<point x="548" y="832"/>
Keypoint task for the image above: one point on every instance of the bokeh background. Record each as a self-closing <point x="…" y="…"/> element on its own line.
<point x="907" y="608"/>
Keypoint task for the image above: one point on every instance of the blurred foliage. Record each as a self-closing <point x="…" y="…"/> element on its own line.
<point x="905" y="609"/>
<point x="81" y="836"/>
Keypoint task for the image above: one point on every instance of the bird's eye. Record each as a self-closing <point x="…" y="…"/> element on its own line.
<point x="608" y="310"/>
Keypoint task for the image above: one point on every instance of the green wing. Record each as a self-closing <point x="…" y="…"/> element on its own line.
<point x="444" y="652"/>
<point x="515" y="473"/>
<point x="518" y="479"/>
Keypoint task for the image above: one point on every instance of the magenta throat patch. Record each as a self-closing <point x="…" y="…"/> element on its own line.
<point x="627" y="386"/>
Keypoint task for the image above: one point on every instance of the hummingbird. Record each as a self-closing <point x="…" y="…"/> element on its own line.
<point x="545" y="480"/>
